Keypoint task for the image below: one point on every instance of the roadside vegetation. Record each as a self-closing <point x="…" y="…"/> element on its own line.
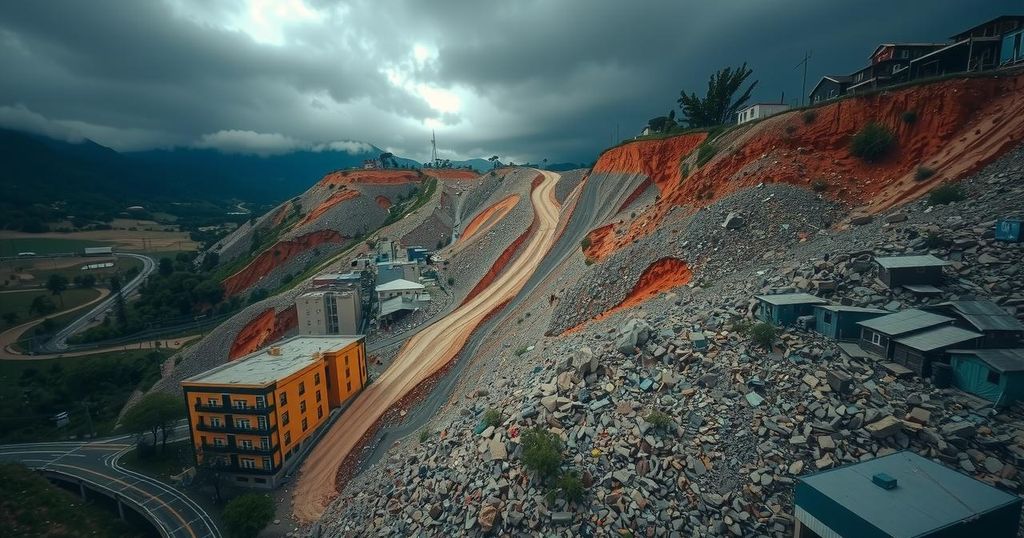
<point x="246" y="515"/>
<point x="32" y="506"/>
<point x="91" y="390"/>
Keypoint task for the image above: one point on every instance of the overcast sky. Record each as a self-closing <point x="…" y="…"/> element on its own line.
<point x="526" y="80"/>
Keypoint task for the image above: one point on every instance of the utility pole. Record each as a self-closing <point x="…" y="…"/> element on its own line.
<point x="433" y="148"/>
<point x="803" y="90"/>
<point x="88" y="418"/>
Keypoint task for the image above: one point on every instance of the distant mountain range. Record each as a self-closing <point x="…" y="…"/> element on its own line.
<point x="42" y="179"/>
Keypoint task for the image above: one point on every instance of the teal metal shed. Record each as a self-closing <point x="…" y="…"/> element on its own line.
<point x="902" y="495"/>
<point x="840" y="322"/>
<point x="994" y="374"/>
<point x="782" y="309"/>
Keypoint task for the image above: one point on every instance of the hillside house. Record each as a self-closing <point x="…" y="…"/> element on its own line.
<point x="877" y="335"/>
<point x="840" y="322"/>
<point x="888" y="63"/>
<point x="914" y="272"/>
<point x="829" y="87"/>
<point x="901" y="494"/>
<point x="758" y="111"/>
<point x="999" y="327"/>
<point x="400" y="295"/>
<point x="783" y="309"/>
<point x="996" y="375"/>
<point x="919" y="350"/>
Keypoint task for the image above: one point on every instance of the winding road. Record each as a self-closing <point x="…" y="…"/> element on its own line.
<point x="426" y="353"/>
<point x="95" y="465"/>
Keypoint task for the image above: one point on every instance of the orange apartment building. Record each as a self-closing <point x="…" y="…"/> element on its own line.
<point x="251" y="416"/>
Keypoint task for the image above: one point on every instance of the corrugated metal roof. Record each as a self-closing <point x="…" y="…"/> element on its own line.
<point x="904" y="322"/>
<point x="791" y="298"/>
<point x="938" y="338"/>
<point x="1004" y="360"/>
<point x="928" y="496"/>
<point x="902" y="262"/>
<point x="843" y="308"/>
<point x="985" y="315"/>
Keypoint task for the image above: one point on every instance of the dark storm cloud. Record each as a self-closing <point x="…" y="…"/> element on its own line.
<point x="526" y="80"/>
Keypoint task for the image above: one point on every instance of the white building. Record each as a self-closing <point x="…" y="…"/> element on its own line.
<point x="401" y="295"/>
<point x="759" y="110"/>
<point x="329" y="312"/>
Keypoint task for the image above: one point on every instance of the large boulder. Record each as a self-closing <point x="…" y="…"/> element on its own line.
<point x="632" y="335"/>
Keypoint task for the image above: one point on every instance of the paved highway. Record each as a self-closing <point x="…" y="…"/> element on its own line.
<point x="97" y="464"/>
<point x="59" y="342"/>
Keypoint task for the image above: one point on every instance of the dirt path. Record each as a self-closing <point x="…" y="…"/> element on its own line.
<point x="423" y="355"/>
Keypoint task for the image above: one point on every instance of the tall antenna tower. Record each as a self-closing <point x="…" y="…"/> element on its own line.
<point x="433" y="148"/>
<point x="803" y="89"/>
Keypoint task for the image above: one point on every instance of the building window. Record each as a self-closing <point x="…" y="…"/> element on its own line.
<point x="261" y="402"/>
<point x="319" y="412"/>
<point x="212" y="402"/>
<point x="876" y="339"/>
<point x="302" y="406"/>
<point x="240" y="404"/>
<point x="993" y="377"/>
<point x="243" y="424"/>
<point x="267" y="464"/>
<point x="316" y="378"/>
<point x="305" y="424"/>
<point x="348" y="384"/>
<point x="248" y="463"/>
<point x="284" y="418"/>
<point x="247" y="444"/>
<point x="302" y="388"/>
<point x="265" y="443"/>
<point x="318" y="397"/>
<point x="218" y="441"/>
<point x="262" y="421"/>
<point x="215" y="422"/>
<point x="284" y="398"/>
<point x="827" y="318"/>
<point x="287" y="438"/>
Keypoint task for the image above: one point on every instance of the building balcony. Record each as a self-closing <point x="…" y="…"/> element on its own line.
<point x="230" y="410"/>
<point x="228" y="428"/>
<point x="238" y="449"/>
<point x="230" y="468"/>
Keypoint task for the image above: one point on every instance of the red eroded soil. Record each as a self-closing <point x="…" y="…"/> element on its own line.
<point x="660" y="276"/>
<point x="961" y="125"/>
<point x="338" y="197"/>
<point x="267" y="260"/>
<point x="490" y="216"/>
<point x="451" y="173"/>
<point x="281" y="214"/>
<point x="384" y="202"/>
<point x="263" y="329"/>
<point x="369" y="177"/>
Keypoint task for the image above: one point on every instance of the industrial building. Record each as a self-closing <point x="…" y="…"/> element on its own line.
<point x="905" y="495"/>
<point x="330" y="312"/>
<point x="251" y="416"/>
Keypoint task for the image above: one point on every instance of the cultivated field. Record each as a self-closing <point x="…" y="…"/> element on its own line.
<point x="11" y="243"/>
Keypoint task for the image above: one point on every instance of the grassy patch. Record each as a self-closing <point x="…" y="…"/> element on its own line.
<point x="31" y="506"/>
<point x="90" y="388"/>
<point x="873" y="142"/>
<point x="763" y="334"/>
<point x="947" y="194"/>
<point x="162" y="462"/>
<point x="19" y="302"/>
<point x="46" y="245"/>
<point x="705" y="152"/>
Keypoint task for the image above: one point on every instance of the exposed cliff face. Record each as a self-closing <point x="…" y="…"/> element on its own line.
<point x="275" y="256"/>
<point x="338" y="197"/>
<point x="451" y="173"/>
<point x="269" y="326"/>
<point x="959" y="126"/>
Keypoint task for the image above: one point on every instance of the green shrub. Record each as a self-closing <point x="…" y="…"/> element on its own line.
<point x="492" y="417"/>
<point x="424" y="436"/>
<point x="819" y="185"/>
<point x="568" y="486"/>
<point x="520" y="351"/>
<point x="946" y="194"/>
<point x="923" y="173"/>
<point x="542" y="452"/>
<point x="873" y="142"/>
<point x="588" y="261"/>
<point x="659" y="420"/>
<point x="790" y="130"/>
<point x="809" y="116"/>
<point x="740" y="325"/>
<point x="909" y="117"/>
<point x="451" y="281"/>
<point x="585" y="243"/>
<point x="705" y="152"/>
<point x="246" y="515"/>
<point x="763" y="334"/>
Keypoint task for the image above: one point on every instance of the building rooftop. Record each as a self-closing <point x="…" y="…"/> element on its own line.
<point x="903" y="262"/>
<point x="904" y="322"/>
<point x="927" y="496"/>
<point x="395" y="304"/>
<point x="791" y="298"/>
<point x="843" y="308"/>
<point x="261" y="368"/>
<point x="984" y="315"/>
<point x="1003" y="360"/>
<point x="938" y="338"/>
<point x="400" y="285"/>
<point x="338" y="276"/>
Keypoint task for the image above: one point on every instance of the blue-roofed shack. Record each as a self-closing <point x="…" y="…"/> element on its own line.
<point x="919" y="350"/>
<point x="1001" y="329"/>
<point x="896" y="271"/>
<point x="994" y="374"/>
<point x="840" y="322"/>
<point x="878" y="335"/>
<point x="902" y="495"/>
<point x="783" y="309"/>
